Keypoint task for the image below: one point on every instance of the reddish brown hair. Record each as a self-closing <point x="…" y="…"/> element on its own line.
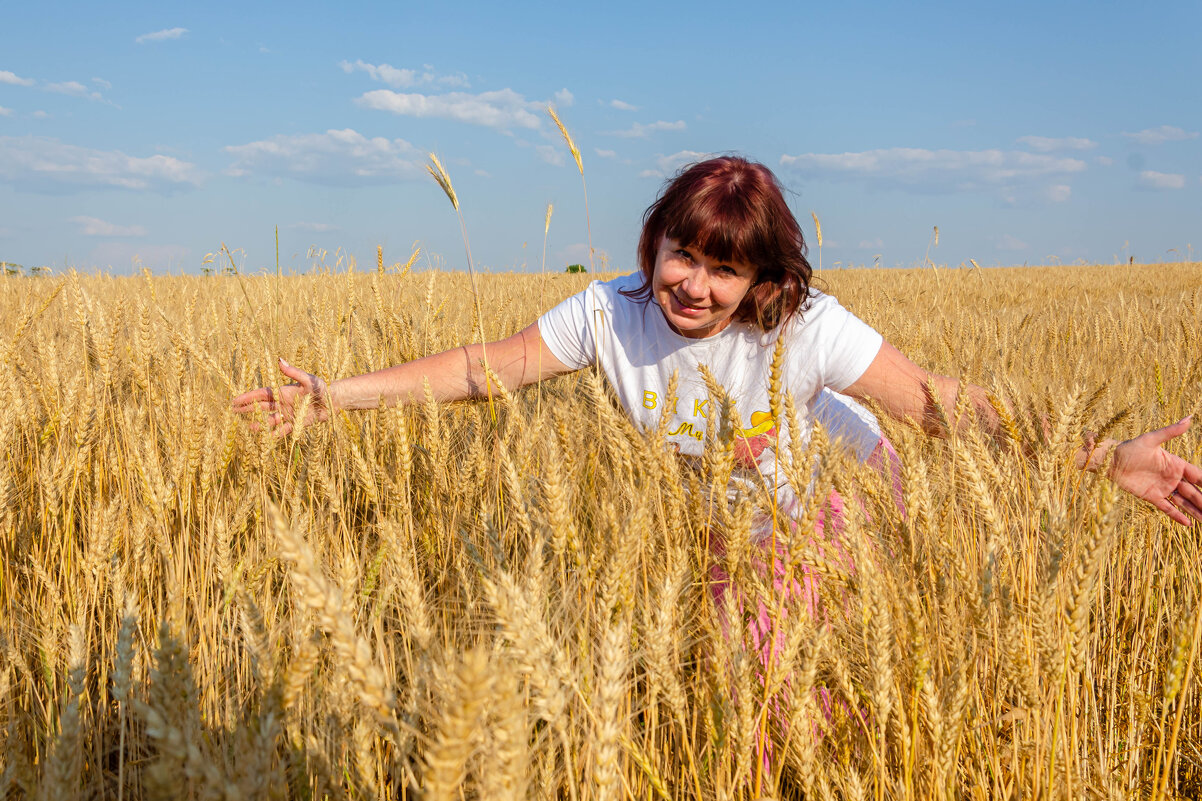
<point x="732" y="209"/>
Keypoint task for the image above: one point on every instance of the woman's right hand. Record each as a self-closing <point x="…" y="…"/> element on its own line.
<point x="282" y="403"/>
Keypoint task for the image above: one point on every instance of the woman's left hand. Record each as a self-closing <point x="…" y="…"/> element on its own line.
<point x="1145" y="469"/>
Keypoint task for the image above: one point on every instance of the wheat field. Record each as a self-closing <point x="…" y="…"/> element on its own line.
<point x="447" y="602"/>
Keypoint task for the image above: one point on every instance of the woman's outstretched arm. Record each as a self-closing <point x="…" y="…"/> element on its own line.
<point x="456" y="374"/>
<point x="1140" y="466"/>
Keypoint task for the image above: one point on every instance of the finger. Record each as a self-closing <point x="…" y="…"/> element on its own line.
<point x="1188" y="492"/>
<point x="299" y="376"/>
<point x="1192" y="473"/>
<point x="1163" y="435"/>
<point x="249" y="399"/>
<point x="1172" y="511"/>
<point x="1187" y="506"/>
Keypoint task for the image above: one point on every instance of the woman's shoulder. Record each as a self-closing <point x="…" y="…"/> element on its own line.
<point x="817" y="305"/>
<point x="615" y="292"/>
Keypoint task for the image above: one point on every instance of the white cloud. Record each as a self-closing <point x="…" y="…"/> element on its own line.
<point x="14" y="80"/>
<point x="336" y="157"/>
<point x="606" y="154"/>
<point x="1150" y="179"/>
<point x="551" y="154"/>
<point x="503" y="109"/>
<point x="314" y="227"/>
<point x="641" y="131"/>
<point x="1104" y="161"/>
<point x="1059" y="193"/>
<point x="622" y="105"/>
<point x="102" y="83"/>
<point x="1046" y="144"/>
<point x="91" y="226"/>
<point x="669" y="165"/>
<point x="932" y="170"/>
<point x="40" y="115"/>
<point x="402" y="78"/>
<point x="74" y="89"/>
<point x="161" y="36"/>
<point x="5" y="112"/>
<point x="43" y="164"/>
<point x="871" y="244"/>
<point x="1160" y="135"/>
<point x="564" y="98"/>
<point x="1008" y="242"/>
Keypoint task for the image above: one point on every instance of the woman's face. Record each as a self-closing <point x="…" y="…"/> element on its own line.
<point x="698" y="295"/>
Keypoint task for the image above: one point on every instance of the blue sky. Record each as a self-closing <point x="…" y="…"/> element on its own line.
<point x="153" y="133"/>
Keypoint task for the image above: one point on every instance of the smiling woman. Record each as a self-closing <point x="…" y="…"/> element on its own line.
<point x="723" y="306"/>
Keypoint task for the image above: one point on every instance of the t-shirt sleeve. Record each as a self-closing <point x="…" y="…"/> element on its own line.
<point x="567" y="329"/>
<point x="846" y="344"/>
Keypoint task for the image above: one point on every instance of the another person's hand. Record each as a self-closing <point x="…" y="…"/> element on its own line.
<point x="283" y="403"/>
<point x="1145" y="469"/>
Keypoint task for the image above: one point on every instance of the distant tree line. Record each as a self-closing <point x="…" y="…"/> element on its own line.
<point x="12" y="268"/>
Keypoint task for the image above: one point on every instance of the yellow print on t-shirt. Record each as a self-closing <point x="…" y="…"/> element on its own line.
<point x="761" y="422"/>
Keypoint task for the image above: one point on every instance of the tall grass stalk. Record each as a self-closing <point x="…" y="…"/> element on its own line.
<point x="567" y="137"/>
<point x="439" y="174"/>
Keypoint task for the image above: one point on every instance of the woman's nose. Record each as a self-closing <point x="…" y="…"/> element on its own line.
<point x="695" y="283"/>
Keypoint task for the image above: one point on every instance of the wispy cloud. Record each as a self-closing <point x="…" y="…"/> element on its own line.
<point x="123" y="256"/>
<point x="1150" y="179"/>
<point x="606" y="154"/>
<point x="669" y="165"/>
<point x="551" y="154"/>
<point x="91" y="226"/>
<point x="402" y="78"/>
<point x="161" y="36"/>
<point x="102" y="83"/>
<point x="1008" y="242"/>
<point x="1058" y="193"/>
<point x="1047" y="144"/>
<point x="503" y="109"/>
<point x="564" y="98"/>
<point x="5" y="112"/>
<point x="641" y="131"/>
<point x="47" y="165"/>
<point x="73" y="89"/>
<point x="622" y="105"/>
<point x="933" y="170"/>
<point x="1160" y="135"/>
<point x="14" y="80"/>
<point x="335" y="158"/>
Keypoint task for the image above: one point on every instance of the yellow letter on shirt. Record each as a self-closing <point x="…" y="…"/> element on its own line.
<point x="649" y="399"/>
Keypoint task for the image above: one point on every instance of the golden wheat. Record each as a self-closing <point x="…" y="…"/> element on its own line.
<point x="524" y="607"/>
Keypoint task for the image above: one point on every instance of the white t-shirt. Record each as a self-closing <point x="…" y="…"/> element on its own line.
<point x="825" y="346"/>
<point x="848" y="422"/>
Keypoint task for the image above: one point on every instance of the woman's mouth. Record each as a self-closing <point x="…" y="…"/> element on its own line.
<point x="685" y="308"/>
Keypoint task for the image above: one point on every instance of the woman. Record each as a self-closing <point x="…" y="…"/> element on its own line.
<point x="723" y="277"/>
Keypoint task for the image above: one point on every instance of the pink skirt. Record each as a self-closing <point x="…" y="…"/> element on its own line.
<point x="766" y="638"/>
